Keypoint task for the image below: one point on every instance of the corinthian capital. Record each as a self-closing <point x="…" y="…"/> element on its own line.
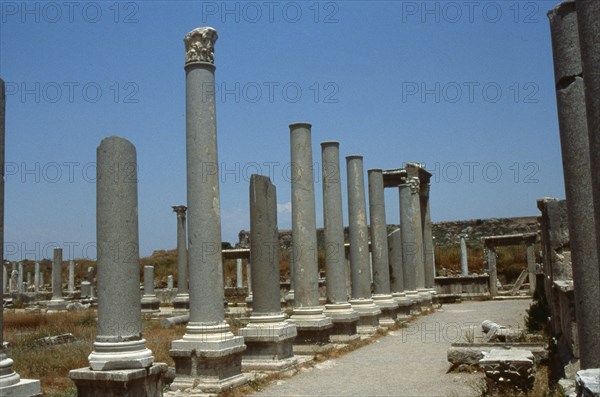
<point x="414" y="184"/>
<point x="200" y="45"/>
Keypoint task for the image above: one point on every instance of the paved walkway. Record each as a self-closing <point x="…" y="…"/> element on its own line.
<point x="410" y="362"/>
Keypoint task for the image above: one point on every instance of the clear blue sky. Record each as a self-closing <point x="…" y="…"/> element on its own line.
<point x="464" y="87"/>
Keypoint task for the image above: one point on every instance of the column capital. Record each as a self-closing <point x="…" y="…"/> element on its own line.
<point x="180" y="210"/>
<point x="200" y="46"/>
<point x="414" y="185"/>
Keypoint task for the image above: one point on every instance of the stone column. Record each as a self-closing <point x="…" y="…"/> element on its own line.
<point x="424" y="293"/>
<point x="71" y="286"/>
<point x="409" y="251"/>
<point x="397" y="275"/>
<point x="36" y="277"/>
<point x="428" y="255"/>
<point x="28" y="283"/>
<point x="239" y="274"/>
<point x="57" y="302"/>
<point x="343" y="316"/>
<point x="249" y="297"/>
<point x="20" y="280"/>
<point x="289" y="297"/>
<point x="182" y="300"/>
<point x="90" y="275"/>
<point x="361" y="300"/>
<point x="490" y="251"/>
<point x="4" y="279"/>
<point x="170" y="283"/>
<point x="382" y="296"/>
<point x="580" y="142"/>
<point x="209" y="356"/>
<point x="86" y="289"/>
<point x="268" y="336"/>
<point x="531" y="266"/>
<point x="120" y="359"/>
<point x="150" y="303"/>
<point x="464" y="264"/>
<point x="313" y="326"/>
<point x="11" y="383"/>
<point x="13" y="286"/>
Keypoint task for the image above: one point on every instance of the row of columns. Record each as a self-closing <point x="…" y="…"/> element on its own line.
<point x="574" y="29"/>
<point x="8" y="286"/>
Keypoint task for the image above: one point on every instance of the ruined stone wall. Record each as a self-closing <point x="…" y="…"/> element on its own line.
<point x="445" y="233"/>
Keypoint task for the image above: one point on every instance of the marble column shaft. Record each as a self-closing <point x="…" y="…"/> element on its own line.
<point x="57" y="275"/>
<point x="304" y="229"/>
<point x="182" y="257"/>
<point x="358" y="229"/>
<point x="428" y="253"/>
<point x="379" y="242"/>
<point x="492" y="271"/>
<point x="119" y="343"/>
<point x="335" y="258"/>
<point x="464" y="264"/>
<point x="71" y="285"/>
<point x="579" y="142"/>
<point x="409" y="251"/>
<point x="395" y="259"/>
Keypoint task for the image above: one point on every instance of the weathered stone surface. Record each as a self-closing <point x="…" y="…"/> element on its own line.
<point x="143" y="382"/>
<point x="208" y="356"/>
<point x="513" y="368"/>
<point x="576" y="154"/>
<point x="118" y="344"/>
<point x="471" y="353"/>
<point x="588" y="382"/>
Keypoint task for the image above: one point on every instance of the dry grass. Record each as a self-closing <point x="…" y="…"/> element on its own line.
<point x="51" y="365"/>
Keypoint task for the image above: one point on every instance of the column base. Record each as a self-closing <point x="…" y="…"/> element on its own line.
<point x="56" y="305"/>
<point x="389" y="309"/>
<point x="23" y="388"/>
<point x="181" y="302"/>
<point x="415" y="299"/>
<point x="404" y="305"/>
<point x="110" y="356"/>
<point x="426" y="299"/>
<point x="143" y="382"/>
<point x="345" y="321"/>
<point x="313" y="329"/>
<point x="150" y="305"/>
<point x="208" y="359"/>
<point x="289" y="298"/>
<point x="268" y="339"/>
<point x="368" y="322"/>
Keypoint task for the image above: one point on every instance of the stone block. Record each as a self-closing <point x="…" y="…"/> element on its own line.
<point x="588" y="382"/>
<point x="509" y="367"/>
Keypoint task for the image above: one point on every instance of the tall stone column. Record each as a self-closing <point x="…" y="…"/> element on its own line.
<point x="397" y="274"/>
<point x="239" y="274"/>
<point x="580" y="141"/>
<point x="417" y="224"/>
<point x="36" y="277"/>
<point x="20" y="279"/>
<point x="428" y="254"/>
<point x="120" y="359"/>
<point x="182" y="300"/>
<point x="268" y="336"/>
<point x="4" y="279"/>
<point x="490" y="253"/>
<point x="409" y="249"/>
<point x="361" y="300"/>
<point x="344" y="317"/>
<point x="312" y="325"/>
<point x="71" y="284"/>
<point x="209" y="356"/>
<point x="382" y="296"/>
<point x="150" y="303"/>
<point x="11" y="383"/>
<point x="531" y="266"/>
<point x="57" y="302"/>
<point x="464" y="264"/>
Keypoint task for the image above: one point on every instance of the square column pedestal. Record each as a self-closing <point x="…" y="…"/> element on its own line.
<point x="404" y="306"/>
<point x="368" y="312"/>
<point x="141" y="382"/>
<point x="207" y="361"/>
<point x="345" y="321"/>
<point x="389" y="309"/>
<point x="313" y="329"/>
<point x="268" y="340"/>
<point x="426" y="299"/>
